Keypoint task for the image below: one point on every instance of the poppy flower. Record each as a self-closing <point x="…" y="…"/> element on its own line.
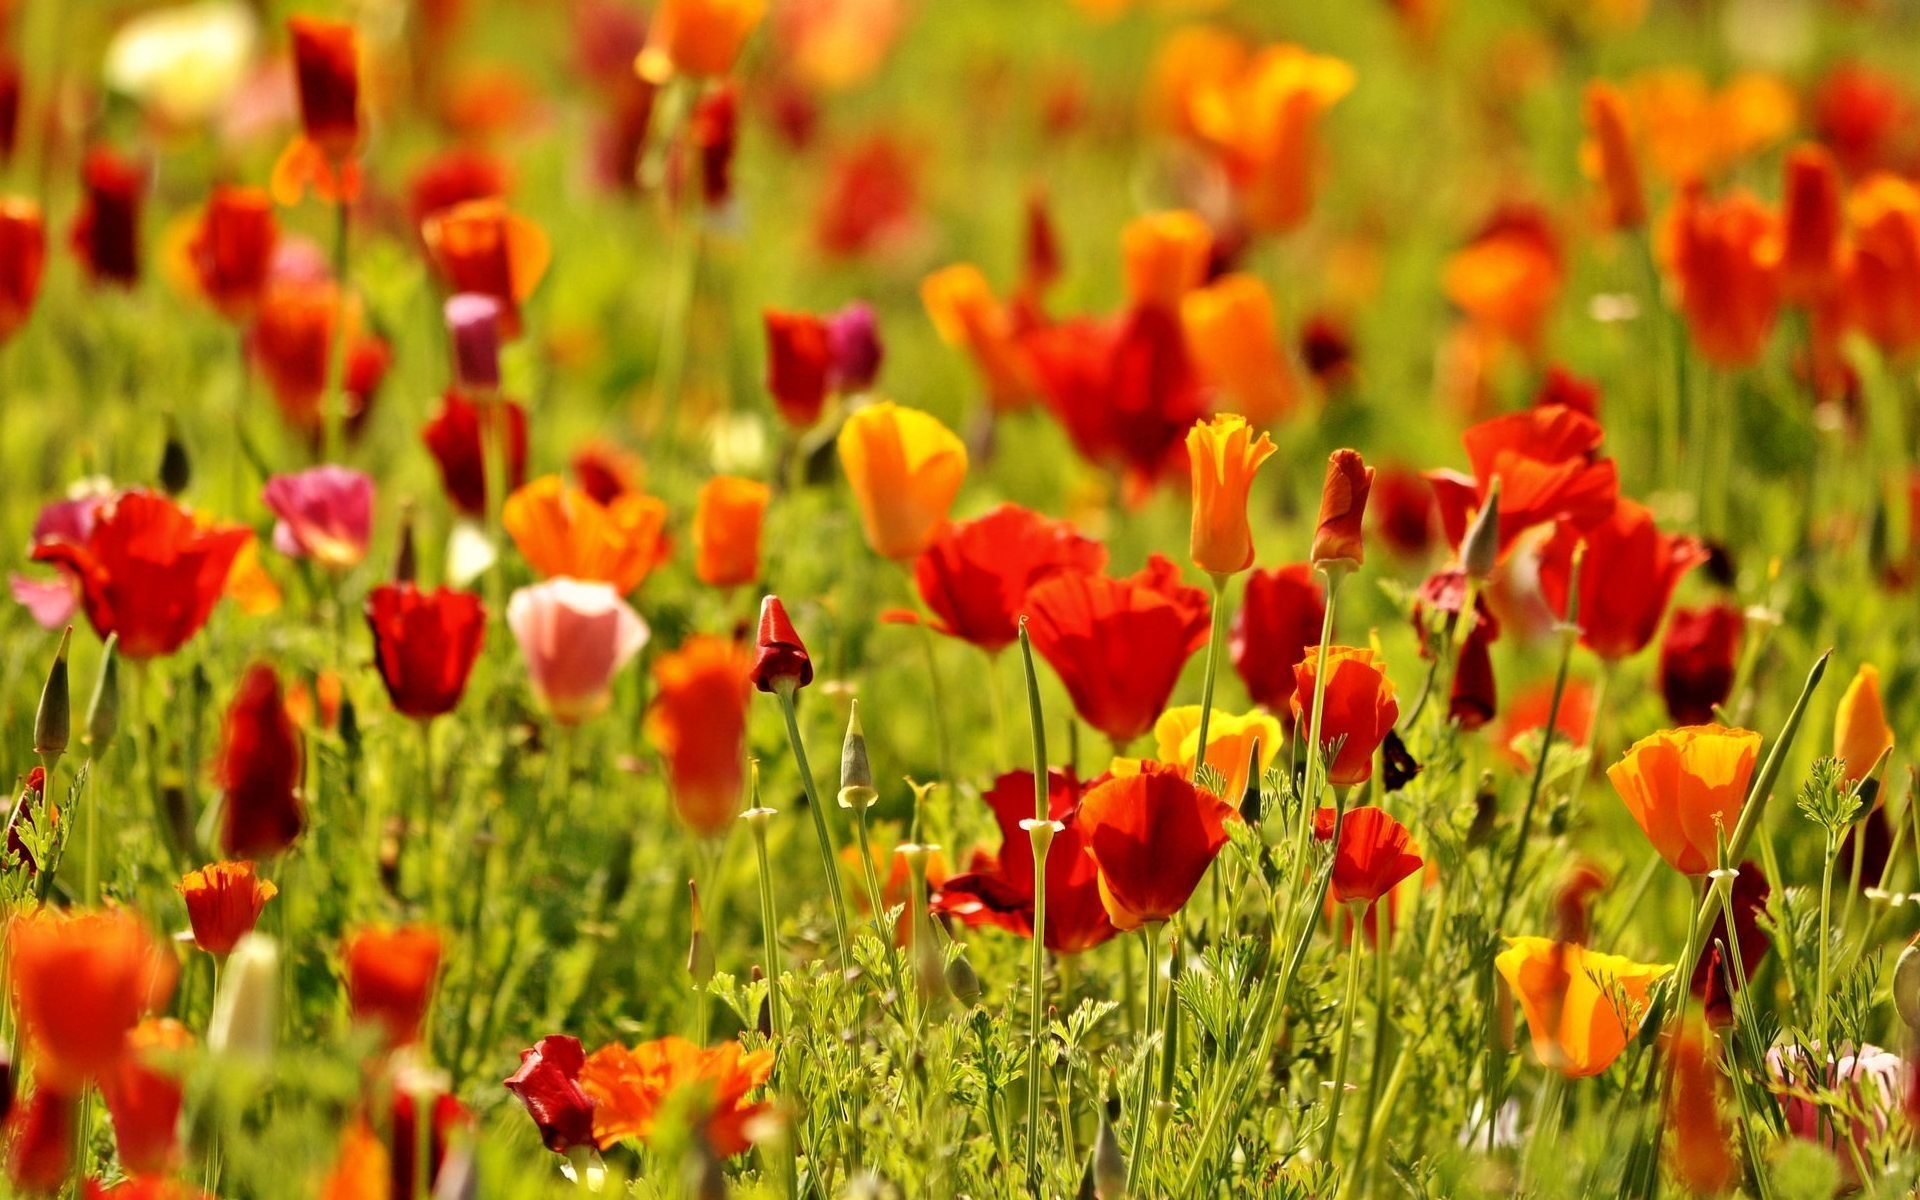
<point x="1165" y="256"/>
<point x="997" y="889"/>
<point x="479" y="246"/>
<point x="1229" y="326"/>
<point x="455" y="439"/>
<point x="1685" y="787"/>
<point x="1404" y="513"/>
<point x="1701" y="1153"/>
<point x="630" y="1088"/>
<point x="869" y="199"/>
<point x="41" y="1141"/>
<point x="1698" y="660"/>
<point x="1714" y="972"/>
<point x="1721" y="257"/>
<point x="713" y="134"/>
<point x="727" y="516"/>
<point x="1359" y="707"/>
<point x="696" y="37"/>
<point x="1628" y="576"/>
<point x="1374" y="854"/>
<point x="562" y="531"/>
<point x="1475" y="694"/>
<point x="968" y="316"/>
<point x="1694" y="131"/>
<point x="604" y="470"/>
<point x="326" y="66"/>
<point x="905" y="468"/>
<point x="473" y="326"/>
<point x="452" y="177"/>
<point x="1609" y="154"/>
<point x="1865" y="116"/>
<point x="1224" y="455"/>
<point x="1507" y="278"/>
<point x="23" y="260"/>
<point x="1573" y="901"/>
<point x="224" y="902"/>
<point x="390" y="976"/>
<point x="292" y="343"/>
<point x="548" y="1084"/>
<point x="1343" y="506"/>
<point x="447" y="1119"/>
<point x="259" y="766"/>
<point x="28" y="810"/>
<point x="1151" y="836"/>
<point x="1263" y="120"/>
<point x="144" y="1096"/>
<point x="231" y="250"/>
<point x="779" y="657"/>
<point x="1118" y="644"/>
<point x="799" y="365"/>
<point x="1527" y="713"/>
<point x="1860" y="730"/>
<point x="147" y="570"/>
<point x="975" y="575"/>
<point x="9" y="106"/>
<point x="1280" y="616"/>
<point x="1571" y="995"/>
<point x="895" y="875"/>
<point x="1230" y="743"/>
<point x="1812" y="227"/>
<point x="1550" y="468"/>
<point x="325" y="514"/>
<point x="425" y="644"/>
<point x="1885" y="212"/>
<point x="853" y="334"/>
<point x="574" y="637"/>
<point x="81" y="981"/>
<point x="106" y="231"/>
<point x="698" y="723"/>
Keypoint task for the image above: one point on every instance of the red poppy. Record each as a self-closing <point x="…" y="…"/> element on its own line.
<point x="147" y="570"/>
<point x="390" y="977"/>
<point x="1404" y="515"/>
<point x="869" y="198"/>
<point x="1561" y="386"/>
<point x="479" y="246"/>
<point x="224" y="902"/>
<point x="106" y="231"/>
<point x="975" y="575"/>
<point x="1813" y="227"/>
<point x="425" y="644"/>
<point x="144" y="1097"/>
<point x="9" y="105"/>
<point x="27" y="811"/>
<point x="548" y="1084"/>
<point x="1118" y="644"/>
<point x="1698" y="659"/>
<point x="232" y="249"/>
<point x="606" y="472"/>
<point x="447" y="1116"/>
<point x="1715" y="970"/>
<point x="454" y="177"/>
<point x="1550" y="469"/>
<point x="292" y="343"/>
<point x="326" y="65"/>
<point x="1527" y="713"/>
<point x="41" y="1141"/>
<point x="714" y="129"/>
<point x="1627" y="578"/>
<point x="779" y="654"/>
<point x="1476" y="696"/>
<point x="1573" y="902"/>
<point x="1723" y="258"/>
<point x="1358" y="710"/>
<point x="1865" y="116"/>
<point x="1343" y="507"/>
<point x="997" y="889"/>
<point x="1280" y="616"/>
<point x="1327" y="351"/>
<point x="1374" y="854"/>
<point x="799" y="361"/>
<point x="259" y="766"/>
<point x="23" y="260"/>
<point x="1152" y="837"/>
<point x="453" y="437"/>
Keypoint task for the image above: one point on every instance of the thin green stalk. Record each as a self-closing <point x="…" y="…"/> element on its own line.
<point x="1217" y="630"/>
<point x="1382" y="1006"/>
<point x="939" y="704"/>
<point x="829" y="856"/>
<point x="1335" y="571"/>
<point x="877" y="902"/>
<point x="1826" y="938"/>
<point x="1331" y="1132"/>
<point x="1135" y="1151"/>
<point x="1040" y="830"/>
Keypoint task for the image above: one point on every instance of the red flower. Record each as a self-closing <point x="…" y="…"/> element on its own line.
<point x="1343" y="506"/>
<point x="292" y="342"/>
<point x="1374" y="853"/>
<point x="1527" y="713"/>
<point x="326" y="65"/>
<point x="224" y="902"/>
<point x="1550" y="469"/>
<point x="454" y="177"/>
<point x="1475" y="697"/>
<point x="1865" y="116"/>
<point x="1697" y="661"/>
<point x="715" y="131"/>
<point x="1358" y="711"/>
<point x="147" y="570"/>
<point x="799" y="361"/>
<point x="1626" y="579"/>
<point x="779" y="655"/>
<point x="1813" y="227"/>
<point x="1403" y="511"/>
<point x="232" y="249"/>
<point x="390" y="977"/>
<point x="869" y="199"/>
<point x="975" y="575"/>
<point x="1118" y="644"/>
<point x="425" y="644"/>
<point x="453" y="437"/>
<point x="9" y="105"/>
<point x="998" y="888"/>
<point x="1280" y="617"/>
<point x="548" y="1083"/>
<point x="259" y="766"/>
<point x="1561" y="386"/>
<point x="144" y="1097"/>
<point x="23" y="259"/>
<point x="1722" y="257"/>
<point x="447" y="1115"/>
<point x="1152" y="837"/>
<point x="106" y="231"/>
<point x="41" y="1141"/>
<point x="479" y="246"/>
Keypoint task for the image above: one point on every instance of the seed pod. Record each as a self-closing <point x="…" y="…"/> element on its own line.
<point x="1250" y="799"/>
<point x="1480" y="549"/>
<point x="53" y="723"/>
<point x="103" y="711"/>
<point x="1109" y="1164"/>
<point x="856" y="773"/>
<point x="961" y="980"/>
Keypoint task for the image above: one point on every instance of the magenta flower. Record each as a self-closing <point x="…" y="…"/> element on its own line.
<point x="326" y="514"/>
<point x="474" y="322"/>
<point x="53" y="602"/>
<point x="854" y="339"/>
<point x="575" y="636"/>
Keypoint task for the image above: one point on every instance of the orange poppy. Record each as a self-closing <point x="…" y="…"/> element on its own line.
<point x="562" y="531"/>
<point x="1701" y="1152"/>
<point x="144" y="1093"/>
<point x="231" y="249"/>
<point x="1571" y="997"/>
<point x="81" y="982"/>
<point x="1550" y="468"/>
<point x="727" y="516"/>
<point x="1264" y="120"/>
<point x="1343" y="507"/>
<point x="1165" y="256"/>
<point x="905" y="469"/>
<point x="1229" y="325"/>
<point x="696" y="37"/>
<point x="698" y="722"/>
<point x="224" y="902"/>
<point x="1722" y="257"/>
<point x="1507" y="278"/>
<point x="967" y="315"/>
<point x="1224" y="455"/>
<point x="1609" y="155"/>
<point x="479" y="246"/>
<point x="1152" y="837"/>
<point x="1812" y="227"/>
<point x="1685" y="787"/>
<point x="390" y="977"/>
<point x="1860" y="730"/>
<point x="630" y="1087"/>
<point x="1359" y="707"/>
<point x="1374" y="854"/>
<point x="1230" y="744"/>
<point x="1885" y="211"/>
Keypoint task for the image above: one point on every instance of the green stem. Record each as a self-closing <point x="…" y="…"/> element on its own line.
<point x="1135" y="1151"/>
<point x="1040" y="830"/>
<point x="829" y="857"/>
<point x="1350" y="1018"/>
<point x="1214" y="636"/>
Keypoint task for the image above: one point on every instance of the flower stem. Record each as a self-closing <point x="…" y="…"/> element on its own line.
<point x="828" y="856"/>
<point x="1349" y="1019"/>
<point x="1040" y="830"/>
<point x="1136" y="1151"/>
<point x="1335" y="571"/>
<point x="1213" y="666"/>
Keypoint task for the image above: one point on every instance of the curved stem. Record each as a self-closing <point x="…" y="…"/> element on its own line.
<point x="829" y="858"/>
<point x="1040" y="830"/>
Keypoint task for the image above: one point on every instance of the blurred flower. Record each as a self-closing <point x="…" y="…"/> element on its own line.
<point x="292" y="343"/>
<point x="1694" y="133"/>
<point x="147" y="570"/>
<point x="1263" y="120"/>
<point x="1230" y="743"/>
<point x="224" y="902"/>
<point x="1229" y="328"/>
<point x="1868" y="1082"/>
<point x="326" y="66"/>
<point x="1475" y="698"/>
<point x="1507" y="278"/>
<point x="259" y="766"/>
<point x="390" y="976"/>
<point x="1885" y="281"/>
<point x="231" y="250"/>
<point x="1685" y="788"/>
<point x="245" y="1009"/>
<point x="1860" y="730"/>
<point x="696" y="37"/>
<point x="574" y="637"/>
<point x="905" y="468"/>
<point x="80" y="982"/>
<point x="727" y="516"/>
<point x="1550" y="468"/>
<point x="41" y="1141"/>
<point x="425" y="644"/>
<point x="23" y="260"/>
<point x="1866" y="117"/>
<point x="1697" y="660"/>
<point x="799" y="365"/>
<point x="1721" y="257"/>
<point x="853" y="334"/>
<point x="1165" y="256"/>
<point x="10" y="87"/>
<point x="453" y="177"/>
<point x="1359" y="707"/>
<point x="997" y="889"/>
<point x="325" y="514"/>
<point x="548" y="1084"/>
<point x="1701" y="1154"/>
<point x="1813" y="251"/>
<point x="455" y="439"/>
<point x="1327" y="351"/>
<point x="1118" y="644"/>
<point x="1151" y="836"/>
<point x="562" y="531"/>
<point x="1374" y="853"/>
<point x="1527" y="713"/>
<point x="1343" y="506"/>
<point x="1627" y="577"/>
<point x="1713" y="976"/>
<point x="361" y="1168"/>
<point x="473" y="324"/>
<point x="605" y="471"/>
<point x="698" y="722"/>
<point x="479" y="246"/>
<point x="1224" y="455"/>
<point x="1193" y="64"/>
<point x="968" y="316"/>
<point x="183" y="64"/>
<point x="1404" y="514"/>
<point x="106" y="231"/>
<point x="869" y="199"/>
<point x="975" y="575"/>
<point x="1572" y="996"/>
<point x="1609" y="155"/>
<point x="834" y="45"/>
<point x="631" y="1087"/>
<point x="144" y="1095"/>
<point x="1279" y="619"/>
<point x="779" y="656"/>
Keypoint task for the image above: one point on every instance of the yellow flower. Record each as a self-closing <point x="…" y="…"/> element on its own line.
<point x="1860" y="730"/>
<point x="1224" y="455"/>
<point x="1230" y="742"/>
<point x="905" y="468"/>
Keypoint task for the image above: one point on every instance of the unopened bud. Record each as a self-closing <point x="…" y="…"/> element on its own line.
<point x="473" y="320"/>
<point x="1481" y="548"/>
<point x="176" y="469"/>
<point x="1906" y="986"/>
<point x="1109" y="1164"/>
<point x="1250" y="799"/>
<point x="961" y="979"/>
<point x="856" y="774"/>
<point x="53" y="723"/>
<point x="699" y="951"/>
<point x="406" y="559"/>
<point x="103" y="711"/>
<point x="246" y="1009"/>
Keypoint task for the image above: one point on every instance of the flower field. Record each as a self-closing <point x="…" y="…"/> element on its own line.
<point x="959" y="598"/>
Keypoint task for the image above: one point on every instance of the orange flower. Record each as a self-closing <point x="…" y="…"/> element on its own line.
<point x="1359" y="707"/>
<point x="1684" y="786"/>
<point x="390" y="977"/>
<point x="630" y="1087"/>
<point x="1885" y="210"/>
<point x="143" y="1095"/>
<point x="1343" y="506"/>
<point x="699" y="724"/>
<point x="1571" y="996"/>
<point x="479" y="246"/>
<point x="1812" y="227"/>
<point x="292" y="344"/>
<point x="223" y="904"/>
<point x="1224" y="455"/>
<point x="905" y="468"/>
<point x="967" y="315"/>
<point x="1229" y="326"/>
<point x="1265" y="122"/>
<point x="1610" y="155"/>
<point x="1701" y="1153"/>
<point x="727" y="517"/>
<point x="231" y="250"/>
<point x="1721" y="257"/>
<point x="1695" y="133"/>
<point x="563" y="531"/>
<point x="1152" y="836"/>
<point x="81" y="982"/>
<point x="696" y="37"/>
<point x="1194" y="64"/>
<point x="326" y="63"/>
<point x="1508" y="277"/>
<point x="1860" y="730"/>
<point x="1230" y="743"/>
<point x="1165" y="255"/>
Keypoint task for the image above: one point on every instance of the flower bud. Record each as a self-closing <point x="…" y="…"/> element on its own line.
<point x="1343" y="507"/>
<point x="1109" y="1164"/>
<point x="473" y="320"/>
<point x="53" y="723"/>
<point x="247" y="1007"/>
<point x="780" y="658"/>
<point x="176" y="469"/>
<point x="1250" y="799"/>
<point x="854" y="339"/>
<point x="1906" y="985"/>
<point x="961" y="979"/>
<point x="1480" y="550"/>
<point x="103" y="711"/>
<point x="856" y="774"/>
<point x="405" y="560"/>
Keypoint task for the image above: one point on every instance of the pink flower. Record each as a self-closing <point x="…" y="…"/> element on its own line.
<point x="474" y="322"/>
<point x="574" y="636"/>
<point x="52" y="602"/>
<point x="326" y="514"/>
<point x="1869" y="1078"/>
